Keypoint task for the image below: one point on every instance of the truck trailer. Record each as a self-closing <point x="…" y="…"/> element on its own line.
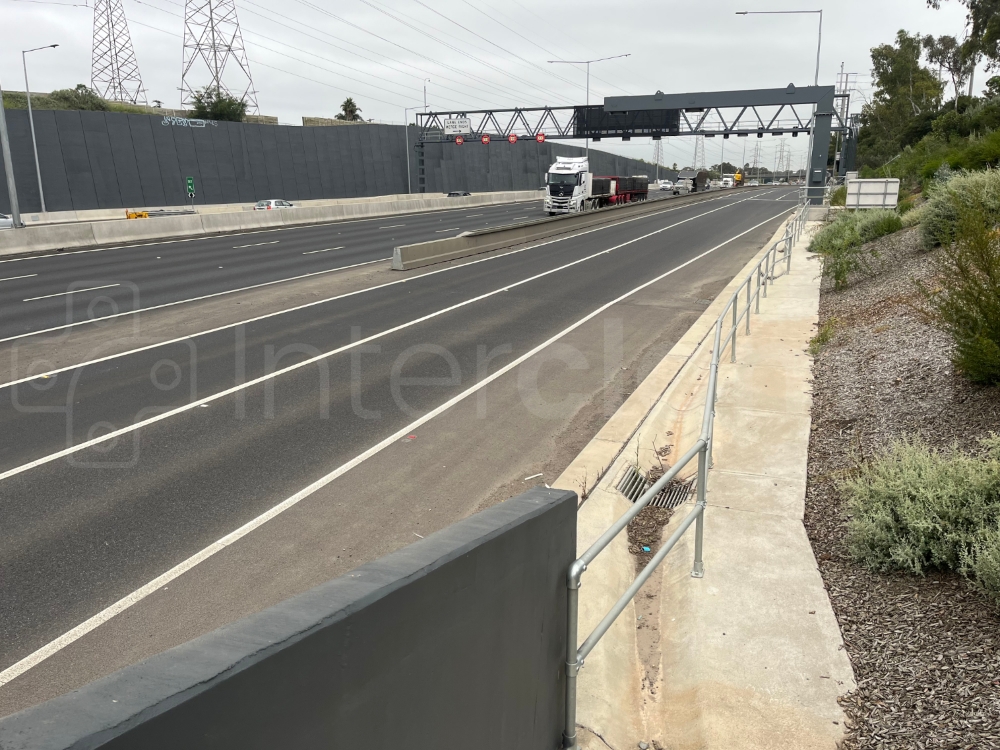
<point x="570" y="187"/>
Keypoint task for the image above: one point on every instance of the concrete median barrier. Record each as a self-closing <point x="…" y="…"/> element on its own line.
<point x="87" y="234"/>
<point x="406" y="257"/>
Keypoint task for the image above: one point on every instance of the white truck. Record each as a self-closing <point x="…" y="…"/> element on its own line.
<point x="570" y="187"/>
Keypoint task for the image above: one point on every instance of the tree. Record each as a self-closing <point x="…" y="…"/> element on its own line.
<point x="904" y="92"/>
<point x="349" y="111"/>
<point x="983" y="22"/>
<point x="80" y="97"/>
<point x="954" y="56"/>
<point x="214" y="104"/>
<point x="992" y="88"/>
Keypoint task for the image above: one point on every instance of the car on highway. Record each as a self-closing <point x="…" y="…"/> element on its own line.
<point x="272" y="203"/>
<point x="682" y="187"/>
<point x="458" y="193"/>
<point x="753" y="183"/>
<point x="6" y="222"/>
<point x="666" y="185"/>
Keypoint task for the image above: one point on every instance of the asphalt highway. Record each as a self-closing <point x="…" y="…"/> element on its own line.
<point x="209" y="432"/>
<point x="46" y="292"/>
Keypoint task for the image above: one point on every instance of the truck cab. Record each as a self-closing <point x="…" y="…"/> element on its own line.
<point x="568" y="185"/>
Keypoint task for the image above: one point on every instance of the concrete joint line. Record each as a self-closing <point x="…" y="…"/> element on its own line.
<point x="138" y="595"/>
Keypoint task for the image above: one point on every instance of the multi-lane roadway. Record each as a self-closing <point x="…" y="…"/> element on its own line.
<point x="159" y="491"/>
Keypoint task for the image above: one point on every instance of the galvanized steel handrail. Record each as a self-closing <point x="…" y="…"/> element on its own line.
<point x="757" y="281"/>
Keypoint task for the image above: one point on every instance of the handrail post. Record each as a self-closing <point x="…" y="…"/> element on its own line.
<point x="749" y="297"/>
<point x="765" y="264"/>
<point x="736" y="309"/>
<point x="757" y="295"/>
<point x="572" y="660"/>
<point x="698" y="571"/>
<point x="788" y="256"/>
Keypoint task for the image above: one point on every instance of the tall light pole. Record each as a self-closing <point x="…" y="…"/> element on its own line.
<point x="31" y="119"/>
<point x="8" y="168"/>
<point x="426" y="81"/>
<point x="819" y="46"/>
<point x="587" y="63"/>
<point x="406" y="135"/>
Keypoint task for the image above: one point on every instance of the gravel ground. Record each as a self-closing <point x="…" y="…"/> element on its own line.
<point x="925" y="650"/>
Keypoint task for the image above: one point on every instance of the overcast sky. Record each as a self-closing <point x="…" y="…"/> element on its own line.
<point x="306" y="56"/>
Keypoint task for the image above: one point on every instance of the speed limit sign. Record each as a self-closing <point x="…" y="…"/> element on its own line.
<point x="512" y="138"/>
<point x="459" y="140"/>
<point x="540" y="137"/>
<point x="485" y="140"/>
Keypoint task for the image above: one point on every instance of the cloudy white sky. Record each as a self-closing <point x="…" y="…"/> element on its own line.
<point x="306" y="56"/>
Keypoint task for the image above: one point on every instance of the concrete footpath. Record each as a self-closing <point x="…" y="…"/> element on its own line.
<point x="750" y="656"/>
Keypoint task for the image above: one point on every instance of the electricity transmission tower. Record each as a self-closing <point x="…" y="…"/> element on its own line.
<point x="114" y="72"/>
<point x="213" y="40"/>
<point x="699" y="152"/>
<point x="657" y="156"/>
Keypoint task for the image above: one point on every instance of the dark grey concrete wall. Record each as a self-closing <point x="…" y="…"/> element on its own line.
<point x="456" y="641"/>
<point x="112" y="160"/>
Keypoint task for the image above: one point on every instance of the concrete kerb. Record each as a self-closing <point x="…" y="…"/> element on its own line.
<point x="82" y="235"/>
<point x="610" y="699"/>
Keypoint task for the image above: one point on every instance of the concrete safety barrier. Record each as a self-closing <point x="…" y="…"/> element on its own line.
<point x="81" y="235"/>
<point x="406" y="257"/>
<point x="456" y="640"/>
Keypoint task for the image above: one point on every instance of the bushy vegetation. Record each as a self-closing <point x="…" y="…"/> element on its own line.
<point x="965" y="299"/>
<point x="918" y="509"/>
<point x="213" y="104"/>
<point x="839" y="196"/>
<point x="79" y="98"/>
<point x="839" y="243"/>
<point x="952" y="193"/>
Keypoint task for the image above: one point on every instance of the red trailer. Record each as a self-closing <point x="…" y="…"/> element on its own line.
<point x="628" y="189"/>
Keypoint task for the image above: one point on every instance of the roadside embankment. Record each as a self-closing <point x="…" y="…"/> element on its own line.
<point x="85" y="234"/>
<point x="750" y="655"/>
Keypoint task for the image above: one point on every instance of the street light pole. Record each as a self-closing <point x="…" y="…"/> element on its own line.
<point x="8" y="167"/>
<point x="587" y="63"/>
<point x="406" y="136"/>
<point x="426" y="81"/>
<point x="31" y="119"/>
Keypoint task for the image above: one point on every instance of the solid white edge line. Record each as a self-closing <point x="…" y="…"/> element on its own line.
<point x="26" y="276"/>
<point x="139" y="594"/>
<point x="75" y="291"/>
<point x="255" y="231"/>
<point x="317" y="273"/>
<point x="484" y="259"/>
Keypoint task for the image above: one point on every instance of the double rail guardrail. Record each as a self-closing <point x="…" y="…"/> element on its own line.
<point x="756" y="285"/>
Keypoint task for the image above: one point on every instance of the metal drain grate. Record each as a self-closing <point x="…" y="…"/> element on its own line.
<point x="633" y="484"/>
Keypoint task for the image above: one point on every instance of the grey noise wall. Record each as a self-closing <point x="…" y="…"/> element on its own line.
<point x="92" y="160"/>
<point x="456" y="641"/>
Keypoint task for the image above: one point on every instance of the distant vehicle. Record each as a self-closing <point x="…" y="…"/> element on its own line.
<point x="272" y="203"/>
<point x="666" y="185"/>
<point x="6" y="222"/>
<point x="682" y="186"/>
<point x="753" y="183"/>
<point x="458" y="193"/>
<point x="728" y="182"/>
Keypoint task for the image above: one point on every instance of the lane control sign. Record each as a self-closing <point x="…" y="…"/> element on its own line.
<point x="485" y="140"/>
<point x="457" y="126"/>
<point x="540" y="137"/>
<point x="459" y="140"/>
<point x="512" y="138"/>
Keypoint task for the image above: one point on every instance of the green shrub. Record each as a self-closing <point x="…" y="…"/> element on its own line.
<point x="839" y="242"/>
<point x="906" y="205"/>
<point x="839" y="196"/>
<point x="966" y="301"/>
<point x="916" y="508"/>
<point x="914" y="216"/>
<point x="941" y="216"/>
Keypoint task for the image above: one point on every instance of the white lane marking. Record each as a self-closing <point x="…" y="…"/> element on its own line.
<point x="75" y="291"/>
<point x="341" y="268"/>
<point x="26" y="276"/>
<point x="393" y="226"/>
<point x="518" y="218"/>
<point x="243" y="234"/>
<point x="305" y="363"/>
<point x="256" y="244"/>
<point x="472" y="216"/>
<point x="452" y="229"/>
<point x="178" y="570"/>
<point x="408" y="279"/>
<point x="192" y="299"/>
<point x="312" y="252"/>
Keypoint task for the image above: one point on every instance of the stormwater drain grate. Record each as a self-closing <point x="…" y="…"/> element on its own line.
<point x="633" y="484"/>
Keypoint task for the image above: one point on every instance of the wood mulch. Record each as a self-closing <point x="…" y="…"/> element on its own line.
<point x="925" y="650"/>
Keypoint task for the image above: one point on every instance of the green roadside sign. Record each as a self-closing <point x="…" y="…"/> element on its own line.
<point x="190" y="187"/>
